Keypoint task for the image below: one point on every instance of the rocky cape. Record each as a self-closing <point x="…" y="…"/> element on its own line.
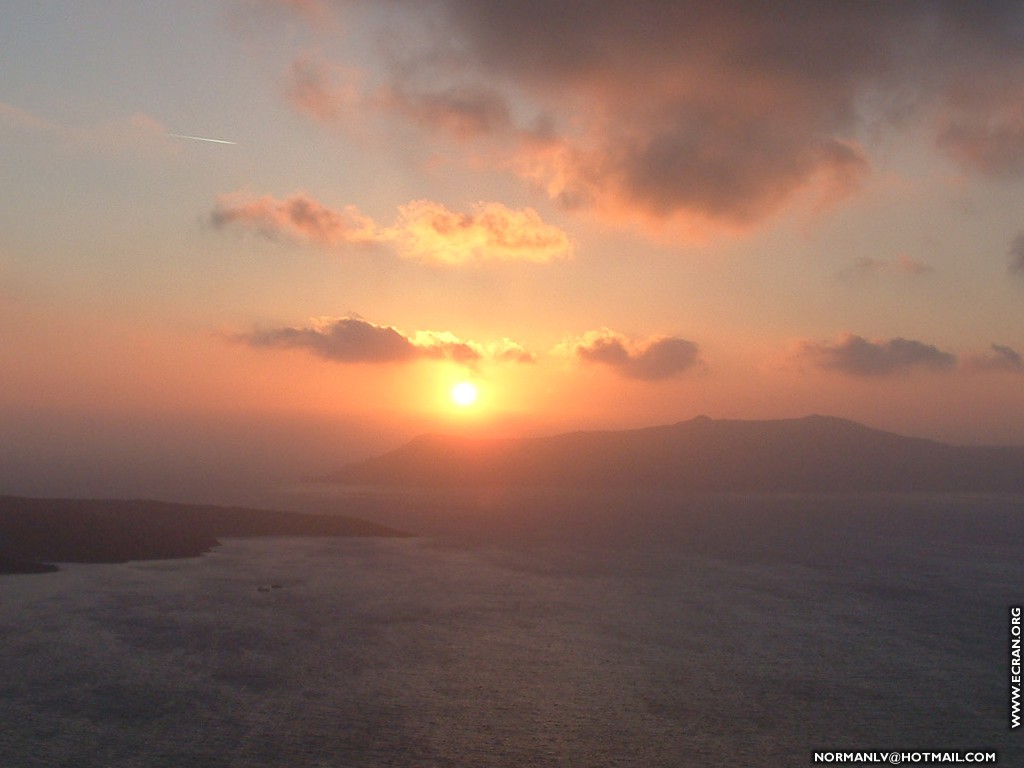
<point x="810" y="454"/>
<point x="35" y="533"/>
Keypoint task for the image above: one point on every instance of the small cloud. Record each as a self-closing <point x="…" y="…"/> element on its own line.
<point x="354" y="340"/>
<point x="1017" y="255"/>
<point x="908" y="266"/>
<point x="656" y="359"/>
<point x="508" y="351"/>
<point x="346" y="340"/>
<point x="998" y="358"/>
<point x="147" y="124"/>
<point x="856" y="356"/>
<point x="429" y="232"/>
<point x="865" y="266"/>
<point x="444" y="344"/>
<point x="425" y="231"/>
<point x="299" y="217"/>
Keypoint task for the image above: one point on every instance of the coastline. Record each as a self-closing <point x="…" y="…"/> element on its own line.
<point x="37" y="533"/>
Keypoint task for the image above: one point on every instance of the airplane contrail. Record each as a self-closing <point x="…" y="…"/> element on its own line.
<point x="200" y="138"/>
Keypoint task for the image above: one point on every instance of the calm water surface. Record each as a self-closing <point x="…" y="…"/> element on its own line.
<point x="700" y="646"/>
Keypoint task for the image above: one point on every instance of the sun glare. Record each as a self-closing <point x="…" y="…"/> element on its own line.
<point x="464" y="394"/>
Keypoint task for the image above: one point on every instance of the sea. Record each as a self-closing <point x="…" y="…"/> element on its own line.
<point x="530" y="629"/>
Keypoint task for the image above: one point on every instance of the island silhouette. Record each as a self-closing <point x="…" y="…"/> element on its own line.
<point x="813" y="453"/>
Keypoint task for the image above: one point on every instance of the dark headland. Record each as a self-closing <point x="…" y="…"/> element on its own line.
<point x="34" y="533"/>
<point x="810" y="454"/>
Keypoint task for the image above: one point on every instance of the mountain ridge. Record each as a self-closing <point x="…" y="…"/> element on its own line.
<point x="811" y="453"/>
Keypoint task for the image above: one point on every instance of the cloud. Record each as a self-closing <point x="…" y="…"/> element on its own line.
<point x="137" y="131"/>
<point x="998" y="358"/>
<point x="314" y="10"/>
<point x="299" y="217"/>
<point x="865" y="266"/>
<point x="656" y="359"/>
<point x="465" y="111"/>
<point x="335" y="95"/>
<point x="348" y="340"/>
<point x="16" y="117"/>
<point x="315" y="14"/>
<point x="508" y="351"/>
<point x="431" y="233"/>
<point x="856" y="356"/>
<point x="1017" y="255"/>
<point x="354" y="340"/>
<point x="725" y="111"/>
<point x="324" y="91"/>
<point x="982" y="127"/>
<point x="702" y="172"/>
<point x="425" y="231"/>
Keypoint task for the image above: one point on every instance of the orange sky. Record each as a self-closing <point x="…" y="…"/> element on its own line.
<point x="605" y="215"/>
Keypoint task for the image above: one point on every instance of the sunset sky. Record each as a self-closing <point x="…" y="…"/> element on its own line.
<point x="602" y="214"/>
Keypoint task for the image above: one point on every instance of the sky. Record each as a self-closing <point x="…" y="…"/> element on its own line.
<point x="603" y="215"/>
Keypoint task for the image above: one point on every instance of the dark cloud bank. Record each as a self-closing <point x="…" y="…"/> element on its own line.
<point x="858" y="356"/>
<point x="725" y="110"/>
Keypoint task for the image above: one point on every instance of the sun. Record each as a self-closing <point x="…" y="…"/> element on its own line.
<point x="464" y="394"/>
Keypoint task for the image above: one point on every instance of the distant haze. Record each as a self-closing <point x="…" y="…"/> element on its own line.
<point x="240" y="459"/>
<point x="195" y="459"/>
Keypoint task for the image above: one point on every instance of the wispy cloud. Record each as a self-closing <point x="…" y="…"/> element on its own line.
<point x="866" y="266"/>
<point x="998" y="358"/>
<point x="654" y="359"/>
<point x="316" y="14"/>
<point x="135" y="131"/>
<point x="857" y="356"/>
<point x="424" y="230"/>
<point x="324" y="91"/>
<point x="981" y="124"/>
<point x="15" y="117"/>
<point x="355" y="340"/>
<point x="313" y="10"/>
<point x="1017" y="255"/>
<point x="465" y="111"/>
